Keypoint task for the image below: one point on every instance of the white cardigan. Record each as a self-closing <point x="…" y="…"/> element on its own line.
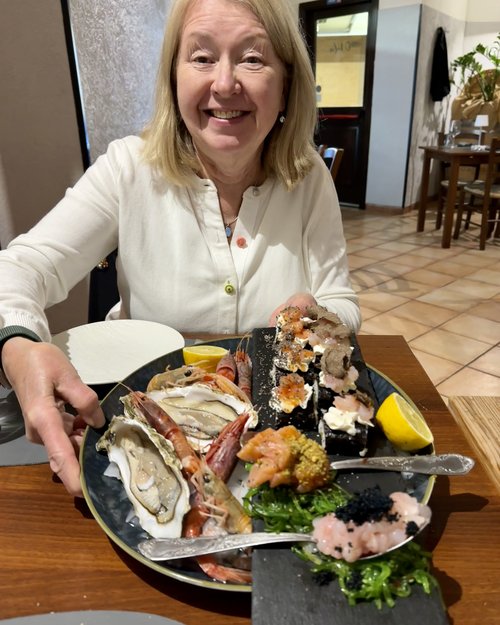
<point x="174" y="263"/>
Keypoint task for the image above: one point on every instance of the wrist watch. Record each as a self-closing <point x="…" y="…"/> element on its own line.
<point x="7" y="333"/>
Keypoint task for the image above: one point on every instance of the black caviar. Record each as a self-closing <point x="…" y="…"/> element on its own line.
<point x="370" y="504"/>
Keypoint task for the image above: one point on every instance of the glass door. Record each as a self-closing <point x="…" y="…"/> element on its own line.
<point x="341" y="60"/>
<point x="341" y="37"/>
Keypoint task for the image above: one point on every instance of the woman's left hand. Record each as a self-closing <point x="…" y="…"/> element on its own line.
<point x="301" y="300"/>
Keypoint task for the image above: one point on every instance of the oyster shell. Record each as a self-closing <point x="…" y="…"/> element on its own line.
<point x="151" y="474"/>
<point x="201" y="412"/>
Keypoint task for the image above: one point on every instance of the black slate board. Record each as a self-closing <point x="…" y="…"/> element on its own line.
<point x="283" y="593"/>
<point x="283" y="590"/>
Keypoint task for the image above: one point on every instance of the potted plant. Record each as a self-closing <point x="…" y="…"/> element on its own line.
<point x="479" y="84"/>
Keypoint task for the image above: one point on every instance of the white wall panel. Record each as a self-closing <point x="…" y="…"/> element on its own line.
<point x="395" y="65"/>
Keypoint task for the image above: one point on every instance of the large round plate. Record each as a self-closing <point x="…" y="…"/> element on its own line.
<point x="110" y="507"/>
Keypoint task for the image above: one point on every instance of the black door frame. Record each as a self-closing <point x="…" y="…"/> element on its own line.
<point x="309" y="12"/>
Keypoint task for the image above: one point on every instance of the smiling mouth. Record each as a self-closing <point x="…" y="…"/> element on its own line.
<point x="226" y="114"/>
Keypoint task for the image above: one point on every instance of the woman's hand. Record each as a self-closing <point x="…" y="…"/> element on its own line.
<point x="301" y="300"/>
<point x="45" y="381"/>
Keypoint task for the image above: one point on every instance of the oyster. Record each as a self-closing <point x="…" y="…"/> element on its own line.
<point x="151" y="474"/>
<point x="201" y="412"/>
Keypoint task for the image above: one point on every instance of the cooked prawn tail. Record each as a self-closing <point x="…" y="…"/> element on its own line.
<point x="213" y="569"/>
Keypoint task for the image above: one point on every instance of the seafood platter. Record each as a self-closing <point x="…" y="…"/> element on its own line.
<point x="183" y="448"/>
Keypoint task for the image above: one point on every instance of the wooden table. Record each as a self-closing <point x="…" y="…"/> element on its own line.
<point x="457" y="157"/>
<point x="54" y="556"/>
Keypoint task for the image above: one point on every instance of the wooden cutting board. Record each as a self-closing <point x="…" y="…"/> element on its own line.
<point x="479" y="419"/>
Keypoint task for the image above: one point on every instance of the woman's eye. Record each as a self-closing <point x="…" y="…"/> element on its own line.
<point x="201" y="59"/>
<point x="253" y="61"/>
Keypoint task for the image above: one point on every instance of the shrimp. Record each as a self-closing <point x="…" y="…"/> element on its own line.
<point x="244" y="368"/>
<point x="221" y="456"/>
<point x="227" y="366"/>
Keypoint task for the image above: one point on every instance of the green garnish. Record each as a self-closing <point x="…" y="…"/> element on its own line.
<point x="380" y="580"/>
<point x="284" y="510"/>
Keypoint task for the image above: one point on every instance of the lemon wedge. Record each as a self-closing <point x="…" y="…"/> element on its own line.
<point x="205" y="356"/>
<point x="402" y="424"/>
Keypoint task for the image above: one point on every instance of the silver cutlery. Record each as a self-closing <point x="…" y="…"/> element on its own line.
<point x="444" y="464"/>
<point x="158" y="549"/>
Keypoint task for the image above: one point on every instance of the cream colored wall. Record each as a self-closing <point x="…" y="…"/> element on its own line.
<point x="483" y="23"/>
<point x="39" y="145"/>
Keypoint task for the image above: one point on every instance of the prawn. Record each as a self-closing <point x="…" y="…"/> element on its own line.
<point x="244" y="369"/>
<point x="221" y="456"/>
<point x="227" y="366"/>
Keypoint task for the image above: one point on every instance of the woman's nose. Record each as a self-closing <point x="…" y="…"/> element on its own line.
<point x="226" y="81"/>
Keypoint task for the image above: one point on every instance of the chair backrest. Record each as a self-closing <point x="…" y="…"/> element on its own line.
<point x="332" y="158"/>
<point x="469" y="133"/>
<point x="493" y="167"/>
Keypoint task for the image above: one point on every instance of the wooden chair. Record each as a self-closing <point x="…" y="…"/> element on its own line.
<point x="488" y="193"/>
<point x="333" y="158"/>
<point x="469" y="136"/>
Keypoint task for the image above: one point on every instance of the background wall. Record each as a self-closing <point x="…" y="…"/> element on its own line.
<point x="392" y="105"/>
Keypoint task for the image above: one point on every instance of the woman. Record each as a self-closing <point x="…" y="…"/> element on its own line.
<point x="222" y="212"/>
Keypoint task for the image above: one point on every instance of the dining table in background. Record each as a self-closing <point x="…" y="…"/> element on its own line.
<point x="457" y="157"/>
<point x="54" y="557"/>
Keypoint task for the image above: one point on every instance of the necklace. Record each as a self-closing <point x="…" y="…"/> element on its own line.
<point x="227" y="227"/>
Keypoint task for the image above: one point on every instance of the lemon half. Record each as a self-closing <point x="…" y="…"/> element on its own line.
<point x="402" y="424"/>
<point x="205" y="356"/>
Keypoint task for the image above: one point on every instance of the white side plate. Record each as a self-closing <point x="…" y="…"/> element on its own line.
<point x="105" y="352"/>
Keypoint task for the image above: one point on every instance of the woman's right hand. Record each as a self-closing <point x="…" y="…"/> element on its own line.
<point x="44" y="382"/>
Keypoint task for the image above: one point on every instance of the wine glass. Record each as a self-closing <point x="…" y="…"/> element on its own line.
<point x="455" y="128"/>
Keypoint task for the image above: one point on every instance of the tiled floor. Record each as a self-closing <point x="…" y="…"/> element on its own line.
<point x="445" y="302"/>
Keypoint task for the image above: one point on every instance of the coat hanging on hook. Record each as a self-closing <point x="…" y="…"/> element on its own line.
<point x="440" y="75"/>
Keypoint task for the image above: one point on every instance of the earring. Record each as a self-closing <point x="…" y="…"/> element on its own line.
<point x="282" y="119"/>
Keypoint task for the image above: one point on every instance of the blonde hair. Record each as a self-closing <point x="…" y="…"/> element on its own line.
<point x="288" y="152"/>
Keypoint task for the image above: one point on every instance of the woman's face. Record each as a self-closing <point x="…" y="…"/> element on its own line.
<point x="230" y="82"/>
